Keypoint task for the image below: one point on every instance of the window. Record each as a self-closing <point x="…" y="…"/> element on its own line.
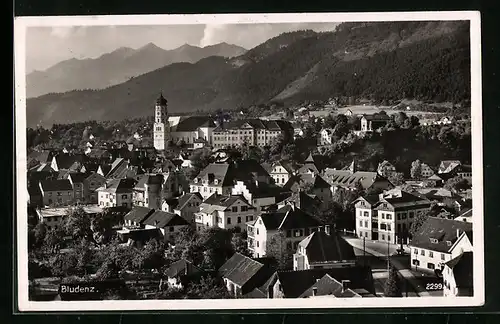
<point x="257" y="231"/>
<point x="124" y="196"/>
<point x="360" y="223"/>
<point x="239" y="220"/>
<point x="234" y="209"/>
<point x="244" y="208"/>
<point x="388" y="237"/>
<point x="383" y="227"/>
<point x="366" y="214"/>
<point x="398" y="215"/>
<point x="415" y="251"/>
<point x="422" y="252"/>
<point x="388" y="216"/>
<point x="257" y="243"/>
<point x="366" y="234"/>
<point x="383" y="215"/>
<point x="249" y="218"/>
<point x="430" y="266"/>
<point x="383" y="237"/>
<point x="366" y="224"/>
<point x="431" y="254"/>
<point x="442" y="256"/>
<point x="388" y="227"/>
<point x="124" y="204"/>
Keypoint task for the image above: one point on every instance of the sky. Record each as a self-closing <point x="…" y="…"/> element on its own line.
<point x="46" y="46"/>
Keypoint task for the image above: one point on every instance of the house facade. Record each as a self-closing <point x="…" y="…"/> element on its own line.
<point x="188" y="205"/>
<point x="281" y="172"/>
<point x="293" y="223"/>
<point x="458" y="276"/>
<point x="169" y="224"/>
<point x="224" y="211"/>
<point x="116" y="192"/>
<point x="57" y="192"/>
<point x="438" y="241"/>
<point x="90" y="186"/>
<point x="325" y="136"/>
<point x="370" y="123"/>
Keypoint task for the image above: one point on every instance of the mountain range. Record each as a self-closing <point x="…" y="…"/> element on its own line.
<point x="118" y="66"/>
<point x="381" y="60"/>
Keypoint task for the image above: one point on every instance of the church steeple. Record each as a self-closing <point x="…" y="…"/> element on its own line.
<point x="161" y="127"/>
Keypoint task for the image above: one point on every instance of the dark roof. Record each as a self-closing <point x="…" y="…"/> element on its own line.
<point x="462" y="267"/>
<point x="161" y="100"/>
<point x="260" y="189"/>
<point x="65" y="160"/>
<point x="118" y="185"/>
<point x="347" y="179"/>
<point x="161" y="219"/>
<point x="183" y="200"/>
<point x="79" y="177"/>
<point x="447" y="166"/>
<point x="149" y="179"/>
<point x="404" y="200"/>
<point x="377" y="117"/>
<point x="255" y="123"/>
<point x="322" y="247"/>
<point x="192" y="123"/>
<point x="56" y="185"/>
<point x="443" y="230"/>
<point x="119" y="169"/>
<point x="180" y="268"/>
<point x="42" y="157"/>
<point x="141" y="235"/>
<point x="329" y="286"/>
<point x="245" y="272"/>
<point x="288" y="217"/>
<point x="296" y="283"/>
<point x="304" y="200"/>
<point x="223" y="200"/>
<point x="138" y="214"/>
<point x="371" y="199"/>
<point x="228" y="173"/>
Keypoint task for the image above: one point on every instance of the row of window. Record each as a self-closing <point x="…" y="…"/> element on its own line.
<point x="111" y="196"/>
<point x="430" y="254"/>
<point x="49" y="193"/>
<point x="430" y="265"/>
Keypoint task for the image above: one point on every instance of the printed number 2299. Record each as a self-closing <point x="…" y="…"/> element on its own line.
<point x="434" y="286"/>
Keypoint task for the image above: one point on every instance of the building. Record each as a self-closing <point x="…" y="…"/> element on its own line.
<point x="221" y="177"/>
<point x="370" y="123"/>
<point x="438" y="241"/>
<point x="323" y="249"/>
<point x="116" y="192"/>
<point x="188" y="204"/>
<point x="56" y="192"/>
<point x="241" y="274"/>
<point x="224" y="211"/>
<point x="325" y="136"/>
<point x="386" y="169"/>
<point x="465" y="216"/>
<point x="260" y="195"/>
<point x="147" y="192"/>
<point x="447" y="166"/>
<point x="458" y="279"/>
<point x="169" y="224"/>
<point x="350" y="180"/>
<point x="90" y="185"/>
<point x="77" y="181"/>
<point x="192" y="130"/>
<point x="313" y="163"/>
<point x="292" y="222"/>
<point x="426" y="171"/>
<point x="161" y="126"/>
<point x="136" y="216"/>
<point x="53" y="217"/>
<point x="185" y="161"/>
<point x="388" y="217"/>
<point x="178" y="273"/>
<point x="332" y="282"/>
<point x="281" y="172"/>
<point x="309" y="203"/>
<point x="253" y="132"/>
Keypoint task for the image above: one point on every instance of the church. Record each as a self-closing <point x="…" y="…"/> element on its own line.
<point x="193" y="131"/>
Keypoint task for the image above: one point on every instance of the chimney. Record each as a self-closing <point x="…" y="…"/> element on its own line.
<point x="315" y="291"/>
<point x="327" y="229"/>
<point x="458" y="233"/>
<point x="257" y="183"/>
<point x="345" y="285"/>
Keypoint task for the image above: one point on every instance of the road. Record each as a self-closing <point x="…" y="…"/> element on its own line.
<point x="401" y="263"/>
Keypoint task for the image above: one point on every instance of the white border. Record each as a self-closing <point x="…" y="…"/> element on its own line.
<point x="20" y="25"/>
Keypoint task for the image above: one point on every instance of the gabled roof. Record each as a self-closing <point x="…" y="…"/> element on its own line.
<point x="118" y="169"/>
<point x="161" y="219"/>
<point x="303" y="200"/>
<point x="270" y="125"/>
<point x="435" y="177"/>
<point x="229" y="172"/>
<point x="288" y="217"/>
<point x="441" y="229"/>
<point x="78" y="177"/>
<point x="56" y="185"/>
<point x="220" y="202"/>
<point x="285" y="164"/>
<point x="321" y="247"/>
<point x="181" y="268"/>
<point x="346" y="179"/>
<point x="65" y="160"/>
<point x="447" y="166"/>
<point x="245" y="271"/>
<point x="329" y="286"/>
<point x="296" y="283"/>
<point x="316" y="181"/>
<point x="403" y="200"/>
<point x="148" y="179"/>
<point x="138" y="214"/>
<point x="118" y="186"/>
<point x="43" y="156"/>
<point x="370" y="199"/>
<point x="260" y="189"/>
<point x="184" y="199"/>
<point x="377" y="117"/>
<point x="462" y="267"/>
<point x="384" y="164"/>
<point x="192" y="123"/>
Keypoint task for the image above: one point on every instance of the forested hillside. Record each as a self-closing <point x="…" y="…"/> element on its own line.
<point x="379" y="61"/>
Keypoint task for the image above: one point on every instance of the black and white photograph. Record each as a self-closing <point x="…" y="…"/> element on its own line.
<point x="249" y="161"/>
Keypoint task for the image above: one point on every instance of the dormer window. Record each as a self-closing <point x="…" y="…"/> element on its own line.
<point x="448" y="243"/>
<point x="216" y="181"/>
<point x="195" y="180"/>
<point x="433" y="240"/>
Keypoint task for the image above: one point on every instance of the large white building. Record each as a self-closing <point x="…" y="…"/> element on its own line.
<point x="161" y="126"/>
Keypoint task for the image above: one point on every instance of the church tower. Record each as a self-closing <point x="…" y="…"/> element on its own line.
<point x="161" y="126"/>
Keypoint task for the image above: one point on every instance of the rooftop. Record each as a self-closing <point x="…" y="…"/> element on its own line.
<point x="63" y="211"/>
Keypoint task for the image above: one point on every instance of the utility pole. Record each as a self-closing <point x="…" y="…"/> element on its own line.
<point x="364" y="251"/>
<point x="388" y="262"/>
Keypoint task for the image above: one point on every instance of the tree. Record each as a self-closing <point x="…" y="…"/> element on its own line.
<point x="77" y="223"/>
<point x="53" y="240"/>
<point x="39" y="232"/>
<point x="207" y="288"/>
<point x="416" y="169"/>
<point x="102" y="226"/>
<point x="397" y="178"/>
<point x="456" y="184"/>
<point x="392" y="286"/>
<point x="153" y="255"/>
<point x="280" y="250"/>
<point x="239" y="243"/>
<point x="420" y="219"/>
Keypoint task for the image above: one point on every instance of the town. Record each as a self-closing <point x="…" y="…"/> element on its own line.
<point x="220" y="206"/>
